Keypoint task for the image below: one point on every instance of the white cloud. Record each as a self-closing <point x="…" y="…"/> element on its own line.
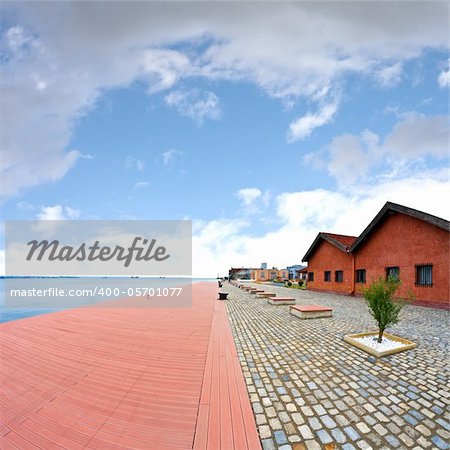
<point x="19" y="41"/>
<point x="168" y="157"/>
<point x="390" y="75"/>
<point x="419" y="135"/>
<point x="25" y="206"/>
<point x="58" y="212"/>
<point x="304" y="126"/>
<point x="195" y="104"/>
<point x="349" y="160"/>
<point x="141" y="184"/>
<point x="164" y="67"/>
<point x="218" y="245"/>
<point x="134" y="163"/>
<point x="353" y="158"/>
<point x="248" y="195"/>
<point x="444" y="78"/>
<point x="254" y="202"/>
<point x="57" y="62"/>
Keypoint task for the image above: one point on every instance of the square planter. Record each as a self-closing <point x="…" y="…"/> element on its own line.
<point x="310" y="311"/>
<point x="353" y="339"/>
<point x="281" y="301"/>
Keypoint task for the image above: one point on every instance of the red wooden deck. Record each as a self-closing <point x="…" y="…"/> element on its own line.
<point x="122" y="378"/>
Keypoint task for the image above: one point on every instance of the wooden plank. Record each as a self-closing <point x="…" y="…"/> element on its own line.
<point x="226" y="429"/>
<point x="237" y="420"/>
<point x="200" y="441"/>
<point x="214" y="412"/>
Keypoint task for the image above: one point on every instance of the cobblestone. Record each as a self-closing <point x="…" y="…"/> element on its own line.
<point x="280" y="437"/>
<point x="268" y="444"/>
<point x="324" y="437"/>
<point x="311" y="390"/>
<point x="440" y="443"/>
<point x="305" y="431"/>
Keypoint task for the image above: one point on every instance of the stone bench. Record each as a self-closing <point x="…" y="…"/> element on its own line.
<point x="265" y="294"/>
<point x="255" y="291"/>
<point x="281" y="300"/>
<point x="310" y="311"/>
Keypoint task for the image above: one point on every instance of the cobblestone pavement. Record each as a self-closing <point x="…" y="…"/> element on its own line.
<point x="310" y="390"/>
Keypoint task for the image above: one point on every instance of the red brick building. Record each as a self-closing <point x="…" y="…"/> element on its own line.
<point x="400" y="241"/>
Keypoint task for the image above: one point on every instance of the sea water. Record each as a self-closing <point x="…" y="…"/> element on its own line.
<point x="19" y="308"/>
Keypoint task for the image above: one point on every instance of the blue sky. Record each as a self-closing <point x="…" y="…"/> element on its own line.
<point x="264" y="123"/>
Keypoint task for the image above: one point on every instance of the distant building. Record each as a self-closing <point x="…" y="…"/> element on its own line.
<point x="400" y="241"/>
<point x="242" y="273"/>
<point x="303" y="274"/>
<point x="294" y="271"/>
<point x="270" y="274"/>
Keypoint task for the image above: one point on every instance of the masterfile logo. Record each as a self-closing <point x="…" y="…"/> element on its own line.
<point x="98" y="248"/>
<point x="54" y="251"/>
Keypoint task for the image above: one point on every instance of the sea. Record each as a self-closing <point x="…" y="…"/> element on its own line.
<point x="16" y="309"/>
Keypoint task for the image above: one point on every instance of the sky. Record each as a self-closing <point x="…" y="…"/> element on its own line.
<point x="264" y="123"/>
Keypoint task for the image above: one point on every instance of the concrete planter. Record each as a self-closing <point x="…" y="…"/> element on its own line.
<point x="310" y="311"/>
<point x="223" y="295"/>
<point x="281" y="301"/>
<point x="266" y="294"/>
<point x="352" y="339"/>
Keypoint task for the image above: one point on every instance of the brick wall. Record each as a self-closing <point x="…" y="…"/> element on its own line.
<point x="403" y="241"/>
<point x="329" y="257"/>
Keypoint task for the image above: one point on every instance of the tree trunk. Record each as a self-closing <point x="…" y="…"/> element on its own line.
<point x="380" y="335"/>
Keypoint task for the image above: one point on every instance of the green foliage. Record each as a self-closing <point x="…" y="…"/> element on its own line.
<point x="380" y="298"/>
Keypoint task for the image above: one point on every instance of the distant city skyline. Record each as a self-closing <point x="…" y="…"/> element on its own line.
<point x="262" y="122"/>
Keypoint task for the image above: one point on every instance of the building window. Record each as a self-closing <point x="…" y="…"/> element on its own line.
<point x="310" y="276"/>
<point x="424" y="275"/>
<point x="327" y="275"/>
<point x="361" y="275"/>
<point x="339" y="276"/>
<point x="263" y="275"/>
<point x="393" y="272"/>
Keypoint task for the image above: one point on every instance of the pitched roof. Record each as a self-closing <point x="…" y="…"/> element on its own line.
<point x="390" y="208"/>
<point x="341" y="241"/>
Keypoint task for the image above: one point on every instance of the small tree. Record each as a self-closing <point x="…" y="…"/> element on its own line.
<point x="380" y="298"/>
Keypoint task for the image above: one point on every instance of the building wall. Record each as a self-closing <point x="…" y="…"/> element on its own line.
<point x="260" y="275"/>
<point x="328" y="257"/>
<point x="270" y="274"/>
<point x="283" y="274"/>
<point x="293" y="271"/>
<point x="404" y="241"/>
